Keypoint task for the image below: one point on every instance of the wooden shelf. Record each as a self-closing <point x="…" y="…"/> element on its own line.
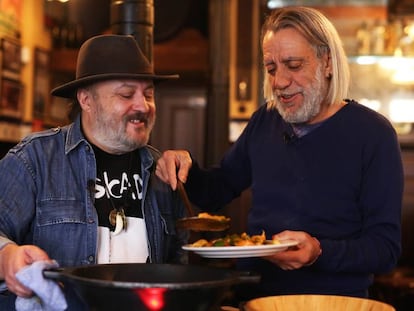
<point x="186" y="52"/>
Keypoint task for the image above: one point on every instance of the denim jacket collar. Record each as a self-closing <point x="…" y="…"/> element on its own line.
<point x="74" y="135"/>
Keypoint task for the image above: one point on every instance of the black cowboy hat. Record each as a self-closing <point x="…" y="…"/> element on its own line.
<point x="106" y="57"/>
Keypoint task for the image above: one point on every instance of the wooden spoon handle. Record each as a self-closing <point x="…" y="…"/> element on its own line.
<point x="184" y="197"/>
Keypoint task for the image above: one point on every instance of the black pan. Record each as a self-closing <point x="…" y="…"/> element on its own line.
<point x="150" y="287"/>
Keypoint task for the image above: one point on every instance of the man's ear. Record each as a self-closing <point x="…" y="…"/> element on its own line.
<point x="328" y="65"/>
<point x="84" y="96"/>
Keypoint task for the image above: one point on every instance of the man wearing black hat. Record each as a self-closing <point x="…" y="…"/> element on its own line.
<point x="86" y="193"/>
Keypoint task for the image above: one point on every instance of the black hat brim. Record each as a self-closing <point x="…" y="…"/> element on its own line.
<point x="68" y="89"/>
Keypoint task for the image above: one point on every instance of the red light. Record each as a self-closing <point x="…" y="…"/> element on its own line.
<point x="153" y="298"/>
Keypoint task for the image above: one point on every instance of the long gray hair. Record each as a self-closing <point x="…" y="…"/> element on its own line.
<point x="323" y="37"/>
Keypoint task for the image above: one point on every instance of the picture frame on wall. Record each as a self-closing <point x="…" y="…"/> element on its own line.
<point x="11" y="57"/>
<point x="11" y="96"/>
<point x="57" y="112"/>
<point x="41" y="83"/>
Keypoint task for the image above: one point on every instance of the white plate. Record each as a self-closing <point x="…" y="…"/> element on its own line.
<point x="240" y="251"/>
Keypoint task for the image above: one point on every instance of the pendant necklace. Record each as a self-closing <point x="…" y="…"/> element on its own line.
<point x="117" y="216"/>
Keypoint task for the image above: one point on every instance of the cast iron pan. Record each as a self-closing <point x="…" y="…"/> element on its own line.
<point x="150" y="287"/>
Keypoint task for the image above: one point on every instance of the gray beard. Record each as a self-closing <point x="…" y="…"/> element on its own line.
<point x="305" y="113"/>
<point x="112" y="135"/>
<point x="311" y="105"/>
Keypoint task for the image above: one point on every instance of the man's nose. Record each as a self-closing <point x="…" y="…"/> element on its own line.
<point x="140" y="103"/>
<point x="281" y="79"/>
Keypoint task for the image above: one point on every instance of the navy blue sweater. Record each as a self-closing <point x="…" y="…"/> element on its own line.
<point x="341" y="183"/>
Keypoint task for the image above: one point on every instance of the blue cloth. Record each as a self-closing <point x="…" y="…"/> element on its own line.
<point x="342" y="183"/>
<point x="48" y="296"/>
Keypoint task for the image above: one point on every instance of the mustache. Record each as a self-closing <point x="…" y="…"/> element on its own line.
<point x="141" y="116"/>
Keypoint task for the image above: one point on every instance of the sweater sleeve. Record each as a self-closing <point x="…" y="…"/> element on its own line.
<point x="378" y="246"/>
<point x="212" y="188"/>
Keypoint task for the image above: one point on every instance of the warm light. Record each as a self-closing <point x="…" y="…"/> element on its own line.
<point x="409" y="30"/>
<point x="402" y="69"/>
<point x="403" y="76"/>
<point x="371" y="103"/>
<point x="273" y="4"/>
<point x="401" y="110"/>
<point x="365" y="60"/>
<point x="153" y="298"/>
<point x="396" y="63"/>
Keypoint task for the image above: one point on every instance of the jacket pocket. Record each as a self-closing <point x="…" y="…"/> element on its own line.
<point x="57" y="211"/>
<point x="61" y="230"/>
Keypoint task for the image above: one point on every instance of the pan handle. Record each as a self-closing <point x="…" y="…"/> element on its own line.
<point x="249" y="277"/>
<point x="53" y="274"/>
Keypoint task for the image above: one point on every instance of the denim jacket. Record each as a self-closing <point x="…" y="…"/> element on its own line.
<point x="47" y="185"/>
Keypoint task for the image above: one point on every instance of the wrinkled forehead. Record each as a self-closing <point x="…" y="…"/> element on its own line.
<point x="286" y="43"/>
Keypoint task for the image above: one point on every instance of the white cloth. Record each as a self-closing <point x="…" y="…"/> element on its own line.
<point x="48" y="295"/>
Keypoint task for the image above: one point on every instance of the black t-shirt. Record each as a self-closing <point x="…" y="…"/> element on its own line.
<point x="118" y="185"/>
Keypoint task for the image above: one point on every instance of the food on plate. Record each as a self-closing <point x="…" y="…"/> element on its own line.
<point x="216" y="217"/>
<point x="236" y="240"/>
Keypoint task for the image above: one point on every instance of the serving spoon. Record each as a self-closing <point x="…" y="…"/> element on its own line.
<point x="195" y="223"/>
